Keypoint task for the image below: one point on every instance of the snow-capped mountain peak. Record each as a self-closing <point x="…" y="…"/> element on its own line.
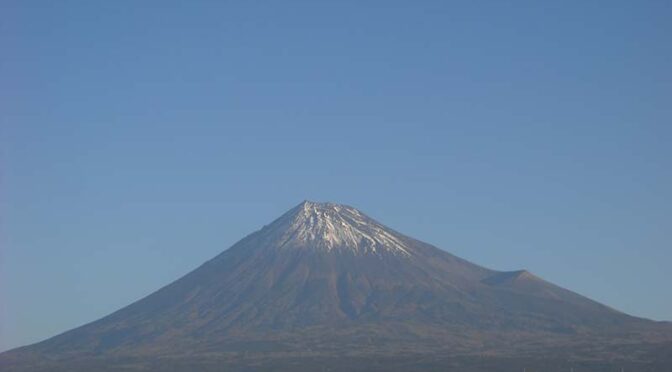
<point x="331" y="226"/>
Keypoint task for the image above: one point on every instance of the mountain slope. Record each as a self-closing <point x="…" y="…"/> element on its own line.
<point x="326" y="278"/>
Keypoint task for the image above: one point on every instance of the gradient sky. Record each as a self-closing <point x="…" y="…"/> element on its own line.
<point x="139" y="139"/>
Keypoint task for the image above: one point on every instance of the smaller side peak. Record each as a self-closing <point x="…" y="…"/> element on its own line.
<point x="525" y="274"/>
<point x="507" y="277"/>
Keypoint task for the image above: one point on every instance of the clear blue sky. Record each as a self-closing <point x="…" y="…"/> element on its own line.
<point x="140" y="139"/>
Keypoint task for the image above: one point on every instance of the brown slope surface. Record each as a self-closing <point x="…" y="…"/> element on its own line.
<point x="326" y="280"/>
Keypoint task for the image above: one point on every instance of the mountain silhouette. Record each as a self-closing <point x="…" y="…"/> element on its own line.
<point x="325" y="287"/>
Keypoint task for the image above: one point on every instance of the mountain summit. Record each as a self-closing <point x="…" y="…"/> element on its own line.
<point x="325" y="287"/>
<point x="329" y="226"/>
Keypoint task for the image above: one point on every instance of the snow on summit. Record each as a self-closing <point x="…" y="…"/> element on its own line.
<point x="331" y="226"/>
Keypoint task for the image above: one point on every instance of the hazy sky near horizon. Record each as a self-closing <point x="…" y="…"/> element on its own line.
<point x="139" y="139"/>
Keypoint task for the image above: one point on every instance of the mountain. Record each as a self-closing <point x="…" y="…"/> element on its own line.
<point x="325" y="287"/>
